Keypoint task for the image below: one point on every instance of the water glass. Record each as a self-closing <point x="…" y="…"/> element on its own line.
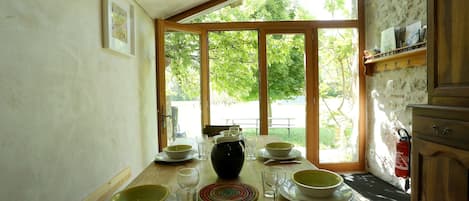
<point x="186" y="195"/>
<point x="203" y="147"/>
<point x="234" y="130"/>
<point x="188" y="178"/>
<point x="250" y="147"/>
<point x="272" y="179"/>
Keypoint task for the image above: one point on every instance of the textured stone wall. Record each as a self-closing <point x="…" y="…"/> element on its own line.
<point x="382" y="14"/>
<point x="389" y="93"/>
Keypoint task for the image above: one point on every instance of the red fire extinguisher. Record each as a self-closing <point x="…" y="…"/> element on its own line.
<point x="402" y="168"/>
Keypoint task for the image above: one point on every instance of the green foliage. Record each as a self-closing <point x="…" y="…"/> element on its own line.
<point x="285" y="67"/>
<point x="233" y="55"/>
<point x="183" y="54"/>
<point x="233" y="63"/>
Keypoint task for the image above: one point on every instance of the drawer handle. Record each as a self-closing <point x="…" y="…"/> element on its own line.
<point x="446" y="131"/>
<point x="435" y="130"/>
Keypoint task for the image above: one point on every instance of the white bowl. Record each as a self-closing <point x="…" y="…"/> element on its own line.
<point x="178" y="151"/>
<point x="317" y="183"/>
<point x="279" y="149"/>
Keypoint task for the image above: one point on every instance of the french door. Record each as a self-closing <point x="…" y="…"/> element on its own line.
<point x="178" y="81"/>
<point x="307" y="78"/>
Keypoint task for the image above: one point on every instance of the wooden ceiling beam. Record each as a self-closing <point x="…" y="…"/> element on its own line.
<point x="195" y="10"/>
<point x="291" y="25"/>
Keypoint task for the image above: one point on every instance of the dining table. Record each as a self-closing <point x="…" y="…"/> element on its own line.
<point x="165" y="173"/>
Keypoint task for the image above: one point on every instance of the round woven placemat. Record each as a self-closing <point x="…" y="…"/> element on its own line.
<point x="228" y="191"/>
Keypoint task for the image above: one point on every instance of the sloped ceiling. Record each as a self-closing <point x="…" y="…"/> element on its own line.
<point x="161" y="9"/>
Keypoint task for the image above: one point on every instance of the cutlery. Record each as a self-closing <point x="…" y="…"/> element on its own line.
<point x="281" y="162"/>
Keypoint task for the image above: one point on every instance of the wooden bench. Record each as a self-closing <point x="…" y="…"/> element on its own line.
<point x="274" y="122"/>
<point x="212" y="130"/>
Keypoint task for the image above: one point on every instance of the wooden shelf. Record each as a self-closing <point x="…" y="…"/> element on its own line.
<point x="406" y="57"/>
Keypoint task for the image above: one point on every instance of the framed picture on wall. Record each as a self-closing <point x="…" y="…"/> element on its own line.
<point x="119" y="26"/>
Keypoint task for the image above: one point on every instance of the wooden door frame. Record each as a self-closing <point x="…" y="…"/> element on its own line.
<point x="161" y="26"/>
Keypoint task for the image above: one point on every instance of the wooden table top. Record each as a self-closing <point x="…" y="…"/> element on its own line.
<point x="166" y="173"/>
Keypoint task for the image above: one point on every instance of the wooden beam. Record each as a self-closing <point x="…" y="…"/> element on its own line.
<point x="285" y="25"/>
<point x="312" y="119"/>
<point x="204" y="79"/>
<point x="173" y="26"/>
<point x="160" y="85"/>
<point x="362" y="131"/>
<point x="263" y="96"/>
<point x="195" y="10"/>
<point x="105" y="191"/>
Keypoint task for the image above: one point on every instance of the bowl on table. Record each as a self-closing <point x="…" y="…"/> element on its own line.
<point x="279" y="149"/>
<point x="179" y="151"/>
<point x="145" y="192"/>
<point x="317" y="183"/>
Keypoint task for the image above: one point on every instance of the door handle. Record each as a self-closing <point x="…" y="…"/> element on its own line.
<point x="163" y="119"/>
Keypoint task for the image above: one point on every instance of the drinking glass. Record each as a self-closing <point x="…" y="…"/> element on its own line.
<point x="203" y="147"/>
<point x="234" y="130"/>
<point x="187" y="179"/>
<point x="250" y="147"/>
<point x="272" y="179"/>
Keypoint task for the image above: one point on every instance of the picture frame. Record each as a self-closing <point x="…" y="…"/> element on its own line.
<point x="119" y="26"/>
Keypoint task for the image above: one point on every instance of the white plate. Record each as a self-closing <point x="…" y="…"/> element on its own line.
<point x="292" y="155"/>
<point x="289" y="191"/>
<point x="162" y="156"/>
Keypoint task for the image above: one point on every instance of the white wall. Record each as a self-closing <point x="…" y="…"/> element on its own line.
<point x="72" y="113"/>
<point x="389" y="93"/>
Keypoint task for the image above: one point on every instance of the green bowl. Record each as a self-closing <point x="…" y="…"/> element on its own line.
<point x="279" y="149"/>
<point x="317" y="183"/>
<point x="142" y="193"/>
<point x="178" y="151"/>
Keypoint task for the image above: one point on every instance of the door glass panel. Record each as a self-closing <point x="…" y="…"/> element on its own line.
<point x="286" y="88"/>
<point x="183" y="108"/>
<point x="338" y="95"/>
<point x="233" y="72"/>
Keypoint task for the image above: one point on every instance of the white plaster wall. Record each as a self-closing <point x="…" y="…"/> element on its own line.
<point x="389" y="93"/>
<point x="72" y="113"/>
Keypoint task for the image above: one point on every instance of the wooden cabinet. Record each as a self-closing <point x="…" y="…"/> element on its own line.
<point x="440" y="130"/>
<point x="442" y="172"/>
<point x="440" y="153"/>
<point x="448" y="52"/>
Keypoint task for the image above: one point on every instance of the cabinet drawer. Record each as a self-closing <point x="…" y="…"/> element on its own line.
<point x="454" y="133"/>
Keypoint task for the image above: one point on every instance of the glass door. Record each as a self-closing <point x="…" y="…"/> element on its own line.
<point x="338" y="95"/>
<point x="179" y="85"/>
<point x="286" y="98"/>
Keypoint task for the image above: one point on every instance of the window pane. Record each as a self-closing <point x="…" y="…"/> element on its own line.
<point x="338" y="91"/>
<point x="234" y="88"/>
<point x="281" y="10"/>
<point x="286" y="88"/>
